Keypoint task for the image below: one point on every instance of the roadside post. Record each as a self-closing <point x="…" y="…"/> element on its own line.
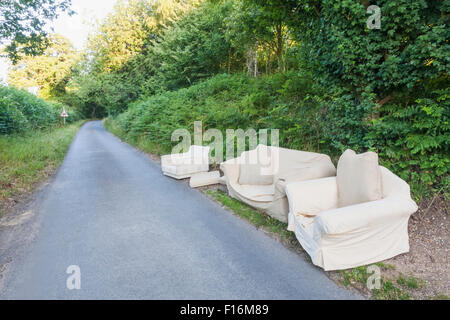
<point x="64" y="115"/>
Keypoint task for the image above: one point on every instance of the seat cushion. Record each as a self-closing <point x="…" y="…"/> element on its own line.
<point x="358" y="178"/>
<point x="183" y="170"/>
<point x="258" y="193"/>
<point x="204" y="179"/>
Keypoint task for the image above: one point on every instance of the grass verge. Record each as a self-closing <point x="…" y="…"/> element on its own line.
<point x="29" y="158"/>
<point x="389" y="289"/>
<point x="255" y="217"/>
<point x="140" y="142"/>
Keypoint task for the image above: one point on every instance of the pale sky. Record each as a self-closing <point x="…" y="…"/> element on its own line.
<point x="76" y="28"/>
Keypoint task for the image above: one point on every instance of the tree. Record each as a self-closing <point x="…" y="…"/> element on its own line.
<point x="259" y="28"/>
<point x="194" y="48"/>
<point x="411" y="47"/>
<point x="113" y="71"/>
<point x="50" y="72"/>
<point x="22" y="25"/>
<point x="132" y="25"/>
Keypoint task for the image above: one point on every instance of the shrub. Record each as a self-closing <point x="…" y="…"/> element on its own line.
<point x="20" y="110"/>
<point x="413" y="140"/>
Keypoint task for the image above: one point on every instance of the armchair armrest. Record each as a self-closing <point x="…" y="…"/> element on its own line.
<point x="311" y="197"/>
<point x="363" y="216"/>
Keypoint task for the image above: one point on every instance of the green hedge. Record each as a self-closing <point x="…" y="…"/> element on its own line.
<point x="21" y="110"/>
<point x="411" y="139"/>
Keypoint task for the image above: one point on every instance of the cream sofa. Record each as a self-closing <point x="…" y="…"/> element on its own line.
<point x="354" y="235"/>
<point x="184" y="165"/>
<point x="283" y="165"/>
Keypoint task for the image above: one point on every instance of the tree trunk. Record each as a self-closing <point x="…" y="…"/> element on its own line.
<point x="256" y="62"/>
<point x="249" y="62"/>
<point x="384" y="100"/>
<point x="252" y="61"/>
<point x="229" y="61"/>
<point x="280" y="46"/>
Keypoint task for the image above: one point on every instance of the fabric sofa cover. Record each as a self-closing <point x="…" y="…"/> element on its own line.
<point x="184" y="165"/>
<point x="286" y="166"/>
<point x="347" y="237"/>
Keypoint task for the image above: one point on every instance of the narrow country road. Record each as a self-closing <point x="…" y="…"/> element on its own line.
<point x="136" y="234"/>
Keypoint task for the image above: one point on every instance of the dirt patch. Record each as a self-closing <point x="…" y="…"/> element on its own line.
<point x="24" y="194"/>
<point x="154" y="157"/>
<point x="19" y="226"/>
<point x="428" y="259"/>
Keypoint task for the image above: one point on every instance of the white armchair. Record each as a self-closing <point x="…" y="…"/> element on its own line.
<point x="355" y="235"/>
<point x="184" y="165"/>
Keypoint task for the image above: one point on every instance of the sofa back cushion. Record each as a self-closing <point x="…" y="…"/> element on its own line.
<point x="256" y="167"/>
<point x="358" y="178"/>
<point x="252" y="174"/>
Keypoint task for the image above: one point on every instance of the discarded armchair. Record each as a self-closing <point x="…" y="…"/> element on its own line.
<point x="184" y="165"/>
<point x="357" y="218"/>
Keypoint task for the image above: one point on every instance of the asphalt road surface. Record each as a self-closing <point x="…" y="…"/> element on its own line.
<point x="136" y="234"/>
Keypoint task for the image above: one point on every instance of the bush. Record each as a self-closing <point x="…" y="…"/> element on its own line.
<point x="224" y="102"/>
<point x="413" y="140"/>
<point x="20" y="110"/>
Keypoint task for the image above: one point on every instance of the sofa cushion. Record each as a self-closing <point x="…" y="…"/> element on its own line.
<point x="257" y="193"/>
<point x="358" y="178"/>
<point x="204" y="179"/>
<point x="251" y="174"/>
<point x="256" y="167"/>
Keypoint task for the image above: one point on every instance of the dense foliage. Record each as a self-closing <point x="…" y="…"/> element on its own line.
<point x="50" y="72"/>
<point x="20" y="110"/>
<point x="410" y="47"/>
<point x="165" y="54"/>
<point x="230" y="101"/>
<point x="22" y="25"/>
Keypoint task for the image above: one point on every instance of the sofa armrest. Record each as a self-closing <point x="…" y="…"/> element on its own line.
<point x="230" y="169"/>
<point x="363" y="216"/>
<point x="311" y="197"/>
